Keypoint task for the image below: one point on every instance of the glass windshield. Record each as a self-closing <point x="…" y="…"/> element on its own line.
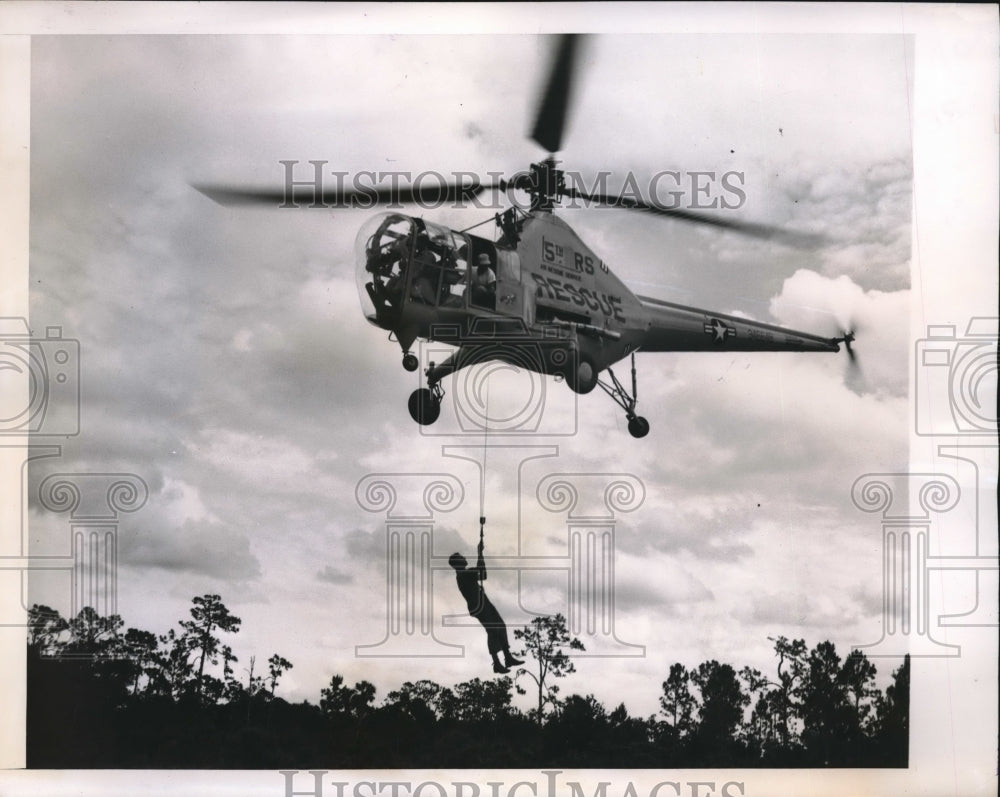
<point x="382" y="251"/>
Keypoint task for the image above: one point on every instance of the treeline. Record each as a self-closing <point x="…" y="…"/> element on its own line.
<point x="103" y="696"/>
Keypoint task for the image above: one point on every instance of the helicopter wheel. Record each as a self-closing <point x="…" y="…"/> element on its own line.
<point x="410" y="362"/>
<point x="638" y="426"/>
<point x="424" y="406"/>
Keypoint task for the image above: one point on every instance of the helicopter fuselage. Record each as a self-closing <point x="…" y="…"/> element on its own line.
<point x="538" y="297"/>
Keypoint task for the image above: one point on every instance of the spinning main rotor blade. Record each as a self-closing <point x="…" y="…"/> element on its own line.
<point x="763" y="231"/>
<point x="554" y="103"/>
<point x="306" y="195"/>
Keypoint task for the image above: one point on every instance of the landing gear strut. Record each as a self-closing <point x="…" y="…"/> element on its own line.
<point x="637" y="425"/>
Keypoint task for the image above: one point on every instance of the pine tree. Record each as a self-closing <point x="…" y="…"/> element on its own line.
<point x="545" y="640"/>
<point x="208" y="615"/>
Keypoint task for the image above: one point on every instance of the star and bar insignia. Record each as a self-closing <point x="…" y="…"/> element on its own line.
<point x="719" y="331"/>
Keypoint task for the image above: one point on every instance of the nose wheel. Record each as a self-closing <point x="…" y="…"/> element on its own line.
<point x="410" y="362"/>
<point x="425" y="405"/>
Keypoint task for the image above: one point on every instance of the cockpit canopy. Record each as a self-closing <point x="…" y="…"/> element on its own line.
<point x="407" y="261"/>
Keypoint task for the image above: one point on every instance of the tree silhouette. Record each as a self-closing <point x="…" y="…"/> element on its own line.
<point x="630" y="739"/>
<point x="254" y="682"/>
<point x="580" y="723"/>
<point x="276" y="667"/>
<point x="233" y="688"/>
<point x="483" y="701"/>
<point x="677" y="703"/>
<point x="141" y="652"/>
<point x="893" y="717"/>
<point x="45" y="630"/>
<point x="721" y="707"/>
<point x="857" y="675"/>
<point x="544" y="640"/>
<point x="92" y="635"/>
<point x="98" y="697"/>
<point x="578" y="730"/>
<point x="353" y="702"/>
<point x="824" y="710"/>
<point x="423" y="699"/>
<point x="791" y="672"/>
<point x="758" y="733"/>
<point x="208" y="615"/>
<point x="174" y="666"/>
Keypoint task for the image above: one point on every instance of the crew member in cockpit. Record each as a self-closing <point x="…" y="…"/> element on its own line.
<point x="484" y="282"/>
<point x="426" y="274"/>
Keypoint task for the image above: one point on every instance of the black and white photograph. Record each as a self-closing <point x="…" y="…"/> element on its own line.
<point x="496" y="400"/>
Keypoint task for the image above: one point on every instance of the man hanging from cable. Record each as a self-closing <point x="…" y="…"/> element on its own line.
<point x="470" y="584"/>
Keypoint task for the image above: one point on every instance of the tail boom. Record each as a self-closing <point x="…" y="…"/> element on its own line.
<point x="674" y="327"/>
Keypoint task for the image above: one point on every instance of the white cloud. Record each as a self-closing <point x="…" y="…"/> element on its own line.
<point x="879" y="320"/>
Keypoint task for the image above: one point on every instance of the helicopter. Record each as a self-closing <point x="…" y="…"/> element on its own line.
<point x="537" y="297"/>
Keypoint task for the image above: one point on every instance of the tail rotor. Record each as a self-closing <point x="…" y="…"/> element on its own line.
<point x="847" y="338"/>
<point x="854" y="377"/>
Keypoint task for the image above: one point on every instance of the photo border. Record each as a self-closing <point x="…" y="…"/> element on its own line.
<point x="954" y="256"/>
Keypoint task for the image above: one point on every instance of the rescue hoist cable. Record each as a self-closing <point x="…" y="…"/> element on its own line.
<point x="482" y="484"/>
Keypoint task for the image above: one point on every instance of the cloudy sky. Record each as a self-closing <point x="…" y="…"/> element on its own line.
<point x="225" y="359"/>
